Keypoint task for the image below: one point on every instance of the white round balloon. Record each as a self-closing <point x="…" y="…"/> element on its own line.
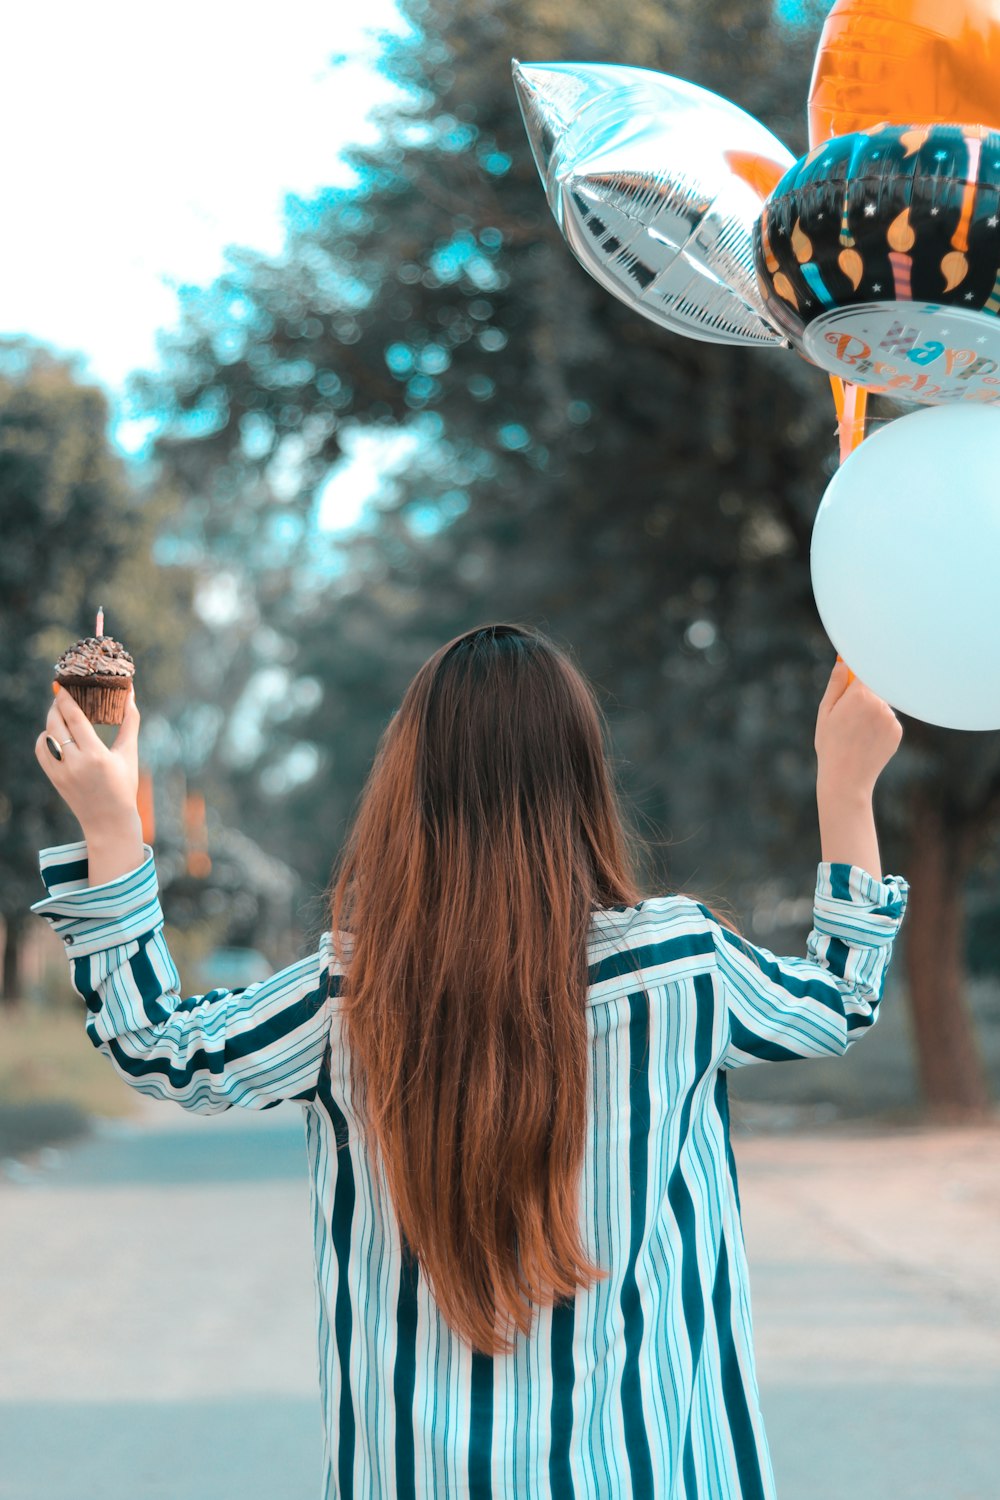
<point x="906" y="564"/>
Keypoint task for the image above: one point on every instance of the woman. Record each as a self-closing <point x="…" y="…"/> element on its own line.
<point x="530" y="1262"/>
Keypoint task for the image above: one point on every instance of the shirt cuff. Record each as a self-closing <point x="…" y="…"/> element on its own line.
<point x="92" y="918"/>
<point x="852" y="905"/>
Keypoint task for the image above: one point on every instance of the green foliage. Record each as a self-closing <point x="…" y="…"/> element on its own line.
<point x="66" y="527"/>
<point x="74" y="536"/>
<point x="647" y="499"/>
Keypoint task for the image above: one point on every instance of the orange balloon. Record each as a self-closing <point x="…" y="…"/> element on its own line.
<point x="759" y="172"/>
<point x="906" y="62"/>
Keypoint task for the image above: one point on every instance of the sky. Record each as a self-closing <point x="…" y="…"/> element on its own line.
<point x="142" y="139"/>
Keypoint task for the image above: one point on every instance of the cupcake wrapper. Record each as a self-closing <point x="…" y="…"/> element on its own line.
<point x="102" y="704"/>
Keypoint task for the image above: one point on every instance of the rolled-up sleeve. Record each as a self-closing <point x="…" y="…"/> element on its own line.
<point x="782" y="1009"/>
<point x="253" y="1047"/>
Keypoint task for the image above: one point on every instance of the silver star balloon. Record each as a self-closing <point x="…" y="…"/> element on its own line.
<point x="656" y="185"/>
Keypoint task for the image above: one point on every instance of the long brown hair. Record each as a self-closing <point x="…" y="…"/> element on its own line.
<point x="487" y="834"/>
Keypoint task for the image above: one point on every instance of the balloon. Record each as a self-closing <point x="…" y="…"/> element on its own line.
<point x="656" y="185"/>
<point x="893" y="61"/>
<point x="904" y="565"/>
<point x="879" y="256"/>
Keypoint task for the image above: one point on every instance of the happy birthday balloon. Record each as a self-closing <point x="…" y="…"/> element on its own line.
<point x="657" y="186"/>
<point x="896" y="61"/>
<point x="904" y="565"/>
<point x="879" y="254"/>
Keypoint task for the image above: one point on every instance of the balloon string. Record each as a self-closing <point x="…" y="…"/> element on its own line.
<point x="851" y="402"/>
<point x="837" y="386"/>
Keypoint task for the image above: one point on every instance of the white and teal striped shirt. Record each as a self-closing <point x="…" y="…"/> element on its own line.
<point x="644" y="1385"/>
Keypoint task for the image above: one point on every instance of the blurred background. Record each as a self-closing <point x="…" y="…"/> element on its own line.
<point x="298" y="380"/>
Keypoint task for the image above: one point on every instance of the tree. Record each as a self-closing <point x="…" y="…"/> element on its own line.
<point x="648" y="499"/>
<point x="439" y="289"/>
<point x="74" y="536"/>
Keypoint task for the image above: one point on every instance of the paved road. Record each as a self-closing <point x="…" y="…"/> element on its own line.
<point x="876" y="1278"/>
<point x="156" y="1314"/>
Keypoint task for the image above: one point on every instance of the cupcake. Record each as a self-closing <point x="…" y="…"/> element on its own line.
<point x="98" y="672"/>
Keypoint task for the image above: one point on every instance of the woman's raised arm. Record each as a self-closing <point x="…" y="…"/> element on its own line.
<point x="252" y="1047"/>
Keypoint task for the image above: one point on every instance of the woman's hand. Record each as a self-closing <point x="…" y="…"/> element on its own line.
<point x="857" y="734"/>
<point x="98" y="784"/>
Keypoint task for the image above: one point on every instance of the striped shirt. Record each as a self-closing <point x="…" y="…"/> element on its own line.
<point x="641" y="1388"/>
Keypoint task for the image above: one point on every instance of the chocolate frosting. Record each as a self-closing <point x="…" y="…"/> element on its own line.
<point x="95" y="656"/>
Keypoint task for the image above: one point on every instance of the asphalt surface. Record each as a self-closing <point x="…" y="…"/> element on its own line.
<point x="156" y="1313"/>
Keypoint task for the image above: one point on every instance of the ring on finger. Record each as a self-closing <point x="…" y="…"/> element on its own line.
<point x="55" y="747"/>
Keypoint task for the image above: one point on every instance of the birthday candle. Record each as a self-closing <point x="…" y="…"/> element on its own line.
<point x="849" y="260"/>
<point x="955" y="265"/>
<point x="100" y="621"/>
<point x="780" y="281"/>
<point x="901" y="239"/>
<point x="992" y="303"/>
<point x="803" y="250"/>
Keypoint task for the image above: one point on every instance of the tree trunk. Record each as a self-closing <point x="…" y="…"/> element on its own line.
<point x="10" y="985"/>
<point x="950" y="1064"/>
